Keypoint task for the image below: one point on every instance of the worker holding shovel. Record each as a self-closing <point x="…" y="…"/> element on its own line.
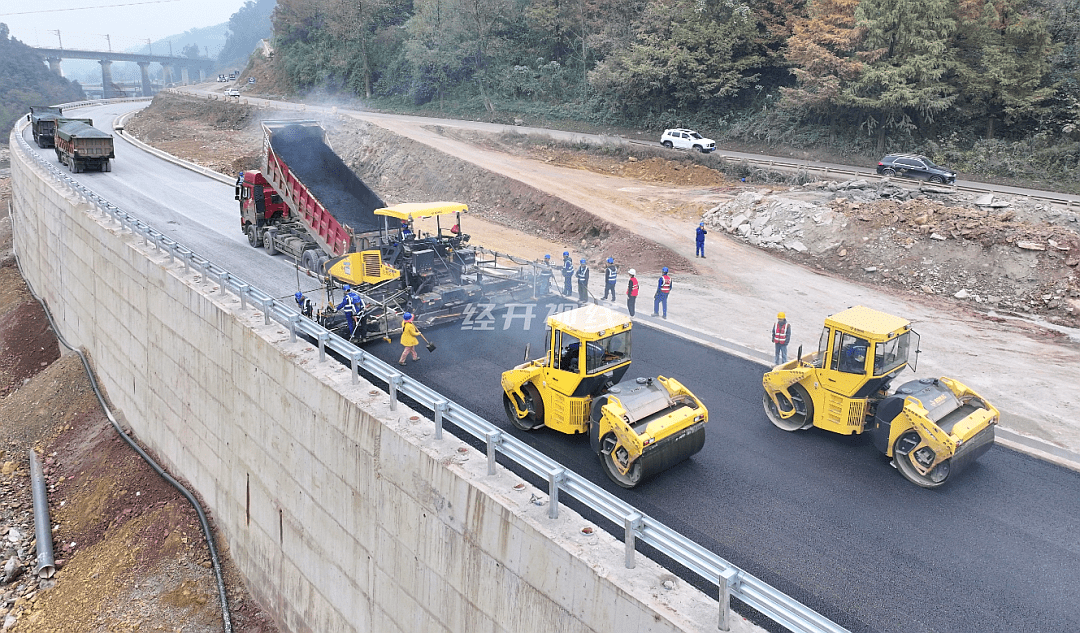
<point x="409" y="332"/>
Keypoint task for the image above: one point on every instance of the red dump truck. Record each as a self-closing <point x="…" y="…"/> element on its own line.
<point x="310" y="205"/>
<point x="43" y="123"/>
<point x="81" y="146"/>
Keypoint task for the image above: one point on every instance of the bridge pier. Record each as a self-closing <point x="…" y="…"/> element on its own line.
<point x="184" y="75"/>
<point x="144" y="72"/>
<point x="107" y="91"/>
<point x="54" y="65"/>
<point x="166" y="73"/>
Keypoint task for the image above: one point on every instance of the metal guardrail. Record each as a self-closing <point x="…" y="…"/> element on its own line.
<point x="729" y="579"/>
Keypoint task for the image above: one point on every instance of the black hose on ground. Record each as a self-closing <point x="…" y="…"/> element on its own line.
<point x="226" y="616"/>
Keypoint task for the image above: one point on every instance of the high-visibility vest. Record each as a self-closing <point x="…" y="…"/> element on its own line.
<point x="612" y="274"/>
<point x="568" y="268"/>
<point x="633" y="287"/>
<point x="582" y="273"/>
<point x="780" y="333"/>
<point x="665" y="284"/>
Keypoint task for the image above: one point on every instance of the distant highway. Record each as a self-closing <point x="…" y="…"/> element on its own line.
<point x="821" y="517"/>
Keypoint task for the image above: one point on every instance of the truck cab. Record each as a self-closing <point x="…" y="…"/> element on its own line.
<point x="259" y="204"/>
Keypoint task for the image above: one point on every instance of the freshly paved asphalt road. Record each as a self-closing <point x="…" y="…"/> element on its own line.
<point x="820" y="516"/>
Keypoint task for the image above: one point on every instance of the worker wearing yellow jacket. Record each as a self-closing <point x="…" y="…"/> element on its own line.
<point x="409" y="332"/>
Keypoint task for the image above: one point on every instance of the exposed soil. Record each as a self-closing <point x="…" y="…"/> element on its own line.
<point x="129" y="552"/>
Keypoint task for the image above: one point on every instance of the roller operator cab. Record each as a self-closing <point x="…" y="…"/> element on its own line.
<point x="637" y="430"/>
<point x="931" y="428"/>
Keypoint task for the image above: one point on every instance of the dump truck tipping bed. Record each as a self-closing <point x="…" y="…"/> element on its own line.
<point x="299" y="159"/>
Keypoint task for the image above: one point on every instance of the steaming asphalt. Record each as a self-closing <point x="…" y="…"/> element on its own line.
<point x="822" y="517"/>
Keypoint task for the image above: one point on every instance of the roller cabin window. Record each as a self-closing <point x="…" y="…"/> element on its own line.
<point x="891" y="354"/>
<point x="849" y="353"/>
<point x="567" y="350"/>
<point x="607" y="352"/>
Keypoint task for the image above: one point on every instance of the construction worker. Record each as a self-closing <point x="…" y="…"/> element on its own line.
<point x="610" y="275"/>
<point x="632" y="292"/>
<point x="700" y="252"/>
<point x="567" y="273"/>
<point x="408" y="338"/>
<point x="663" y="289"/>
<point x="583" y="282"/>
<point x="781" y="336"/>
<point x="302" y="303"/>
<point x="353" y="305"/>
<point x="543" y="283"/>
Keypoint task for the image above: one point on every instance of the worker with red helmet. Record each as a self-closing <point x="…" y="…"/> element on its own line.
<point x="781" y="336"/>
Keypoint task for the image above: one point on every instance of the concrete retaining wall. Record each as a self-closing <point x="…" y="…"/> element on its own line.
<point x="343" y="515"/>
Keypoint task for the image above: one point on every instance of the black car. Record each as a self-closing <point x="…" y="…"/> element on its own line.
<point x="915" y="166"/>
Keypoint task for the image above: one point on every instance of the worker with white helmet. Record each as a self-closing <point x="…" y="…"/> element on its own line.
<point x="632" y="291"/>
<point x="781" y="336"/>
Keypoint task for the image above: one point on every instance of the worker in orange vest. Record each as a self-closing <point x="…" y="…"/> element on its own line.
<point x="781" y="336"/>
<point x="631" y="292"/>
<point x="663" y="289"/>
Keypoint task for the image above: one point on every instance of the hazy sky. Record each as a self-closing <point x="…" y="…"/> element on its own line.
<point x="128" y="23"/>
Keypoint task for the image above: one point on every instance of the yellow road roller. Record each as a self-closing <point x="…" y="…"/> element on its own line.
<point x="931" y="428"/>
<point x="637" y="430"/>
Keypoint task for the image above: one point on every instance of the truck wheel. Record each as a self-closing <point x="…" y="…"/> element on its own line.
<point x="800" y="401"/>
<point x="253" y="236"/>
<point x="533" y="403"/>
<point x="307" y="260"/>
<point x="268" y="241"/>
<point x="320" y="264"/>
<point x="903" y="454"/>
<point x="107" y="166"/>
<point x="610" y="454"/>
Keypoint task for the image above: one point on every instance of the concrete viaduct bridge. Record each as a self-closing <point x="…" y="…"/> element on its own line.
<point x="187" y="66"/>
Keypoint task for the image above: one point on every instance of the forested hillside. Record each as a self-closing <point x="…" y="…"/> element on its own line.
<point x="25" y="80"/>
<point x="945" y="76"/>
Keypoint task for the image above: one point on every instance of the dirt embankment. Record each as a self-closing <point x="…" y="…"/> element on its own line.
<point x="129" y="551"/>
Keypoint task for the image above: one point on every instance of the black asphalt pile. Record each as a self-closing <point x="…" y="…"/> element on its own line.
<point x="336" y="186"/>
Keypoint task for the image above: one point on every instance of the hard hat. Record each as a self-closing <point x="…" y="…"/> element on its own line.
<point x="547" y="256"/>
<point x="701" y="224"/>
<point x="781" y="315"/>
<point x="611" y="260"/>
<point x="566" y="253"/>
<point x="665" y="270"/>
<point x="632" y="272"/>
<point x="582" y="260"/>
<point x="346" y="288"/>
<point x="407" y="316"/>
<point x="298" y="296"/>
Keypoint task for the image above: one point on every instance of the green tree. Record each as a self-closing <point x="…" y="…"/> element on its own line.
<point x="246" y="27"/>
<point x="906" y="56"/>
<point x="26" y="81"/>
<point x="685" y="55"/>
<point x="1003" y="58"/>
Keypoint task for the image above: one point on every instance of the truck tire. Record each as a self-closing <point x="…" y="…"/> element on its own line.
<point x="268" y="241"/>
<point x="307" y="260"/>
<point x="253" y="236"/>
<point x="107" y="166"/>
<point x="320" y="264"/>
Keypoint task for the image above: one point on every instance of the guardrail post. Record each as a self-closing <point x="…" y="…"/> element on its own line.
<point x="323" y="338"/>
<point x="729" y="581"/>
<point x="440" y="411"/>
<point x="394" y="383"/>
<point x="494" y="438"/>
<point x="555" y="477"/>
<point x="355" y="359"/>
<point x="293" y="322"/>
<point x="205" y="270"/>
<point x="267" y="305"/>
<point x="631" y="523"/>
<point x="242" y="290"/>
<point x="223" y="279"/>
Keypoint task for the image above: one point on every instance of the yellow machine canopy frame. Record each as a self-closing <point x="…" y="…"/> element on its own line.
<point x="416" y="210"/>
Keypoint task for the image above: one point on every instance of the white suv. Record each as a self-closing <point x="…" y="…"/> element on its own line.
<point x="687" y="139"/>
